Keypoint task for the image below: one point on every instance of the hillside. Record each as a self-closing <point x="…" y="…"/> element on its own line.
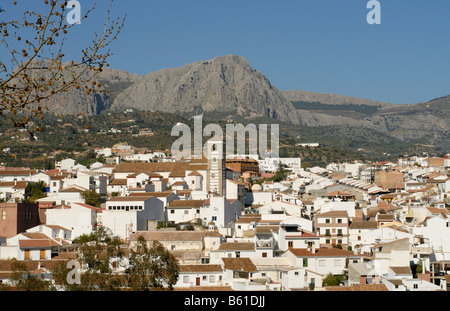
<point x="227" y="88"/>
<point x="226" y="84"/>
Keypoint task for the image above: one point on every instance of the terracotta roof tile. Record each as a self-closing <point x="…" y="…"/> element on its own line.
<point x="239" y="264"/>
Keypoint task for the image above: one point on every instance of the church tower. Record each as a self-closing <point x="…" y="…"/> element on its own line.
<point x="216" y="179"/>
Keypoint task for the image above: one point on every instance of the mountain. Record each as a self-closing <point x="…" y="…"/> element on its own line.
<point x="226" y="85"/>
<point x="76" y="101"/>
<point x="404" y="122"/>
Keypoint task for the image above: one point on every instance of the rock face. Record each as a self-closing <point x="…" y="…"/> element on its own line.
<point x="76" y="101"/>
<point x="225" y="84"/>
<point x="331" y="99"/>
<point x="229" y="86"/>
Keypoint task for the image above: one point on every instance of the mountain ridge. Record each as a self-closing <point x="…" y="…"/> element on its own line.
<point x="227" y="87"/>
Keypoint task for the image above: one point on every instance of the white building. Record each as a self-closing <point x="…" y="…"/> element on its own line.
<point x="220" y="211"/>
<point x="125" y="215"/>
<point x="80" y="218"/>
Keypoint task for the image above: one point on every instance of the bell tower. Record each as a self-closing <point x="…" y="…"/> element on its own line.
<point x="216" y="179"/>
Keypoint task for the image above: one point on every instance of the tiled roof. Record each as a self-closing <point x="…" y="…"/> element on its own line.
<point x="333" y="214"/>
<point x="266" y="229"/>
<point x="200" y="268"/>
<point x="34" y="243"/>
<point x="74" y="189"/>
<point x="151" y="194"/>
<point x="248" y="219"/>
<point x="401" y="270"/>
<point x="339" y="193"/>
<point x="87" y="206"/>
<point x="238" y="246"/>
<point x="186" y="203"/>
<point x="363" y="225"/>
<point x="194" y="173"/>
<point x="131" y="198"/>
<point x="57" y="227"/>
<point x="118" y="182"/>
<point x="435" y="210"/>
<point x="321" y="252"/>
<point x="21" y="185"/>
<point x="359" y="288"/>
<point x="239" y="264"/>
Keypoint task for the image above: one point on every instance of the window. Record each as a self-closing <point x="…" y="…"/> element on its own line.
<point x="327" y="232"/>
<point x="4" y="214"/>
<point x="214" y="218"/>
<point x="290" y="244"/>
<point x="264" y="255"/>
<point x="212" y="278"/>
<point x="296" y="273"/>
<point x="322" y="263"/>
<point x="327" y="221"/>
<point x="337" y="262"/>
<point x="172" y="211"/>
<point x="185" y="279"/>
<point x="238" y="254"/>
<point x="327" y="241"/>
<point x="305" y="262"/>
<point x="416" y="286"/>
<point x="339" y="231"/>
<point x="186" y="212"/>
<point x="204" y="278"/>
<point x="339" y="220"/>
<point x="42" y="254"/>
<point x="27" y="254"/>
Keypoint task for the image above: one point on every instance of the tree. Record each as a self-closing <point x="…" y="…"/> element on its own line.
<point x="34" y="191"/>
<point x="95" y="253"/>
<point x="419" y="268"/>
<point x="332" y="280"/>
<point x="281" y="173"/>
<point x="151" y="268"/>
<point x="23" y="280"/>
<point x="33" y="67"/>
<point x="91" y="197"/>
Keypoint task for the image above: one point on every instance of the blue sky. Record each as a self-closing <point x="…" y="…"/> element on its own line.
<point x="314" y="45"/>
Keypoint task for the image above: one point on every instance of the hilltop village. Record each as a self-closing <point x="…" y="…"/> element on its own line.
<point x="238" y="223"/>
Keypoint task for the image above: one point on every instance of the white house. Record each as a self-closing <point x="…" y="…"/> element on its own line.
<point x="80" y="218"/>
<point x="322" y="260"/>
<point x="125" y="215"/>
<point x="382" y="235"/>
<point x="181" y="211"/>
<point x="435" y="232"/>
<point x="233" y="250"/>
<point x="32" y="246"/>
<point x="357" y="229"/>
<point x="204" y="275"/>
<point x="220" y="211"/>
